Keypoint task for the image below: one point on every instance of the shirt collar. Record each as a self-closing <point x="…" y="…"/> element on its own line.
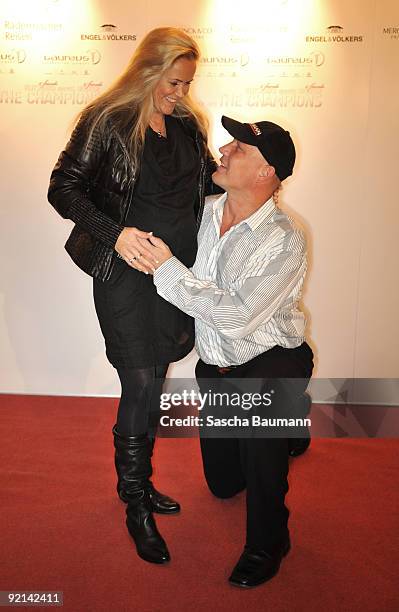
<point x="263" y="214"/>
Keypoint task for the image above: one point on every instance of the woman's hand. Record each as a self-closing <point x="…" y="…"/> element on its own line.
<point x="133" y="246"/>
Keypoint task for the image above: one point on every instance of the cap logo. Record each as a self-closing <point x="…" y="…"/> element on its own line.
<point x="255" y="128"/>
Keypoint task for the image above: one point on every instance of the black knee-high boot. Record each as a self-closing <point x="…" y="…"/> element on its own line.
<point x="160" y="503"/>
<point x="133" y="456"/>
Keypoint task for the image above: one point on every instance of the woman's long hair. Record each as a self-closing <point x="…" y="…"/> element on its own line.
<point x="129" y="100"/>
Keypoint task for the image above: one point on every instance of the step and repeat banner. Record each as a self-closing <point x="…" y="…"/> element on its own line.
<point x="325" y="69"/>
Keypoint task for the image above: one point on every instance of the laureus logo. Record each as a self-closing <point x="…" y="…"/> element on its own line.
<point x="92" y="56"/>
<point x="241" y="60"/>
<point x="13" y="56"/>
<point x="315" y="58"/>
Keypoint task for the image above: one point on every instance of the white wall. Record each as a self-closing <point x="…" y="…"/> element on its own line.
<point x="341" y="110"/>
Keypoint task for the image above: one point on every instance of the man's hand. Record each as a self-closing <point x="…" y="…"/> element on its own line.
<point x="159" y="251"/>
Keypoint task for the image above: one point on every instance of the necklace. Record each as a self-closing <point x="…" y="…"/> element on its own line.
<point x="160" y="133"/>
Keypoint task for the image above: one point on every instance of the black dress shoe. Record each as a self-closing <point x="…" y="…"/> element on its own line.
<point x="297" y="446"/>
<point x="255" y="567"/>
<point x="160" y="503"/>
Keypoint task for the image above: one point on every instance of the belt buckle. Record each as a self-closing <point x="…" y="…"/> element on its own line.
<point x="222" y="370"/>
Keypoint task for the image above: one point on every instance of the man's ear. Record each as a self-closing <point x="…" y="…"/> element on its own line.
<point x="267" y="172"/>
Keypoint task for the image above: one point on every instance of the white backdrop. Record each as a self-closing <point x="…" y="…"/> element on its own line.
<point x="325" y="69"/>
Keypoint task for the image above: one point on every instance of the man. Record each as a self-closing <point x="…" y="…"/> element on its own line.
<point x="243" y="291"/>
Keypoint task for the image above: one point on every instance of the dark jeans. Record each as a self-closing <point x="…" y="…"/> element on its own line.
<point x="259" y="464"/>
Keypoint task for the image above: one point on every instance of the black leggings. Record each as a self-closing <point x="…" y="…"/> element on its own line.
<point x="139" y="410"/>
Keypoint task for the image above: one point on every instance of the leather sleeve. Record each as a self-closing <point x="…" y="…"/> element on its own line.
<point x="72" y="179"/>
<point x="210" y="187"/>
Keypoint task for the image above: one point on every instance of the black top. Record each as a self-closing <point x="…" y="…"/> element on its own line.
<point x="140" y="328"/>
<point x="165" y="191"/>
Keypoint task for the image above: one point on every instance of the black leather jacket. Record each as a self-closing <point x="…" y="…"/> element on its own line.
<point x="92" y="183"/>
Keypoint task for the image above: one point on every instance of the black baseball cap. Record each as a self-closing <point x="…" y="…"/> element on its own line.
<point x="273" y="142"/>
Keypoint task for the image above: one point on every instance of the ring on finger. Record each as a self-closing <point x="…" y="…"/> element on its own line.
<point x="132" y="259"/>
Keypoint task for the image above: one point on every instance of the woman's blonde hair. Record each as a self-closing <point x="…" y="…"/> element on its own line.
<point x="129" y="100"/>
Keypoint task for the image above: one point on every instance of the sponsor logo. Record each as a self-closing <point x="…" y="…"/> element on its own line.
<point x="219" y="60"/>
<point x="391" y="32"/>
<point x="22" y="30"/>
<point x="108" y="32"/>
<point x="255" y="128"/>
<point x="199" y="33"/>
<point x="13" y="56"/>
<point x="335" y="29"/>
<point x="316" y="58"/>
<point x="334" y="34"/>
<point x="91" y="56"/>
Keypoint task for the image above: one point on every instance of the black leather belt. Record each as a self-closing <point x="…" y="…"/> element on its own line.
<point x="225" y="370"/>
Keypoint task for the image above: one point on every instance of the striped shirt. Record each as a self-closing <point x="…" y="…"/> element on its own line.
<point x="244" y="287"/>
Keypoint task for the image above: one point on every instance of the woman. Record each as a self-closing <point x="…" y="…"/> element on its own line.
<point x="137" y="163"/>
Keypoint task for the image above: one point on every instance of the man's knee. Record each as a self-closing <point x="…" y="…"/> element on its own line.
<point x="223" y="490"/>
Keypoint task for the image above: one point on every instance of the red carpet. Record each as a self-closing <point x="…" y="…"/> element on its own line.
<point x="62" y="526"/>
